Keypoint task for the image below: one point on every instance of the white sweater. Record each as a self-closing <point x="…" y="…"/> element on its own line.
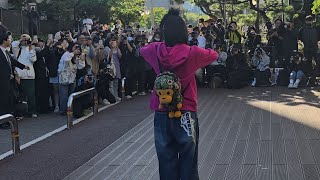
<point x="27" y="57"/>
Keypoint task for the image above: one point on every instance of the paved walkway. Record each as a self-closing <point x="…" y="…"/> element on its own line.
<point x="263" y="134"/>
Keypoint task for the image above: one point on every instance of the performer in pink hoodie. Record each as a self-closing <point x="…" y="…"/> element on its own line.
<point x="176" y="140"/>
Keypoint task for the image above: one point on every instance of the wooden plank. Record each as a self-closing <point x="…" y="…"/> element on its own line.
<point x="304" y="147"/>
<point x="310" y="172"/>
<point x="218" y="173"/>
<point x="279" y="172"/>
<point x="234" y="170"/>
<point x="249" y="172"/>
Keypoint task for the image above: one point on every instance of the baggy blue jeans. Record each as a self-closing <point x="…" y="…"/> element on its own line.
<point x="176" y="143"/>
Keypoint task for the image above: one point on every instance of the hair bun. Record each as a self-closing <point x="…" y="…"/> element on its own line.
<point x="173" y="12"/>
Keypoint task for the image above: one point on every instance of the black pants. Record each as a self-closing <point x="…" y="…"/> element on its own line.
<point x="141" y="79"/>
<point x="102" y="87"/>
<point x="262" y="77"/>
<point x="238" y="79"/>
<point x="130" y="83"/>
<point x="42" y="95"/>
<point x="150" y="78"/>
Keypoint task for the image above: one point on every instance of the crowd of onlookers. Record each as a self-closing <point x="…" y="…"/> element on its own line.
<point x="96" y="55"/>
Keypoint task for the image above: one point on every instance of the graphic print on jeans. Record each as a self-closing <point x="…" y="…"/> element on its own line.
<point x="187" y="123"/>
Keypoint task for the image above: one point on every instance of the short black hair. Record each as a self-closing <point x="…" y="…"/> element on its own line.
<point x="173" y="28"/>
<point x="4" y="33"/>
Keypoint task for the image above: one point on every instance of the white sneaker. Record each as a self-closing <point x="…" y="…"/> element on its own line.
<point x="134" y="92"/>
<point x="142" y="94"/>
<point x="295" y="86"/>
<point x="106" y="102"/>
<point x="290" y="86"/>
<point x="129" y="97"/>
<point x="34" y="115"/>
<point x="118" y="99"/>
<point x="253" y="84"/>
<point x="56" y="110"/>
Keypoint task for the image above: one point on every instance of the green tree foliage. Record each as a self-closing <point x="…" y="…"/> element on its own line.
<point x="316" y="7"/>
<point x="158" y="15"/>
<point x="127" y="11"/>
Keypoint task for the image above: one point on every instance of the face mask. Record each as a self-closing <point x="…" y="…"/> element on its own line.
<point x="38" y="49"/>
<point x="157" y="39"/>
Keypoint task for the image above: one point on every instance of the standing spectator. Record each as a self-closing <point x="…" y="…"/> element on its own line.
<point x="42" y="76"/>
<point x="88" y="49"/>
<point x="128" y="69"/>
<point x="7" y="63"/>
<point x="34" y="19"/>
<point x="291" y="41"/>
<point x="115" y="53"/>
<point x="275" y="40"/>
<point x="310" y="36"/>
<point x="70" y="62"/>
<point x="233" y="34"/>
<point x="140" y="65"/>
<point x="26" y="54"/>
<point x="87" y="23"/>
<point x="53" y="59"/>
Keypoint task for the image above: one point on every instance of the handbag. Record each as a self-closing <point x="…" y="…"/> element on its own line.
<point x="111" y="68"/>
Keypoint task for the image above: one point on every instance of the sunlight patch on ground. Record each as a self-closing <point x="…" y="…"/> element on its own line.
<point x="300" y="112"/>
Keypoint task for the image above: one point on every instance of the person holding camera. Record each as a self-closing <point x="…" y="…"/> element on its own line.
<point x="275" y="40"/>
<point x="297" y="74"/>
<point x="238" y="70"/>
<point x="262" y="73"/>
<point x="128" y="69"/>
<point x="114" y="52"/>
<point x="233" y="36"/>
<point x="310" y="36"/>
<point x="26" y="54"/>
<point x="42" y="75"/>
<point x="217" y="69"/>
<point x="291" y="41"/>
<point x="71" y="61"/>
<point x="253" y="40"/>
<point x="140" y="65"/>
<point x="7" y="64"/>
<point x="84" y="102"/>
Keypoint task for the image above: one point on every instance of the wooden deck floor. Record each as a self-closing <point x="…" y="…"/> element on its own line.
<point x="254" y="133"/>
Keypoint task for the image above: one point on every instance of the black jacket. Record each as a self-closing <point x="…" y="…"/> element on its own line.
<point x="53" y="61"/>
<point x="40" y="66"/>
<point x="6" y="101"/>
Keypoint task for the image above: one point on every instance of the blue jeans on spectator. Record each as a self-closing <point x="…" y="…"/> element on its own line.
<point x="65" y="90"/>
<point x="177" y="147"/>
<point x="114" y="87"/>
<point x="296" y="75"/>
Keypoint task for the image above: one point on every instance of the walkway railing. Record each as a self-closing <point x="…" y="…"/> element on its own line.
<point x="77" y="95"/>
<point x="8" y="118"/>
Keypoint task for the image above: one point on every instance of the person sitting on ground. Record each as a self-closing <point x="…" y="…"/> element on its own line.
<point x="238" y="70"/>
<point x="217" y="70"/>
<point x="262" y="74"/>
<point x="297" y="74"/>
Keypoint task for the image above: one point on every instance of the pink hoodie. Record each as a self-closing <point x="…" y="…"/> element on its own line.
<point x="182" y="60"/>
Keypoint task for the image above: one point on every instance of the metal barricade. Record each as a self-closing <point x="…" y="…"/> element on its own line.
<point x="77" y="95"/>
<point x="8" y="118"/>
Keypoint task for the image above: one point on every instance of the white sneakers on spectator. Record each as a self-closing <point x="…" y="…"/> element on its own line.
<point x="290" y="86"/>
<point x="142" y="94"/>
<point x="106" y="102"/>
<point x="34" y="115"/>
<point x="118" y="99"/>
<point x="128" y="97"/>
<point x="294" y="85"/>
<point x="134" y="92"/>
<point x="56" y="110"/>
<point x="254" y="83"/>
